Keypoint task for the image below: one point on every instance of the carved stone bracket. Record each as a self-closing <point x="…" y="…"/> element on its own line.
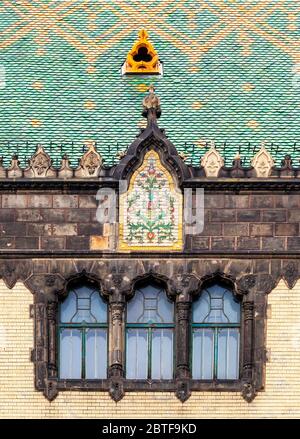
<point x="50" y="389"/>
<point x="183" y="391"/>
<point x="12" y="271"/>
<point x="47" y="284"/>
<point x="248" y="392"/>
<point x="290" y="273"/>
<point x="116" y="389"/>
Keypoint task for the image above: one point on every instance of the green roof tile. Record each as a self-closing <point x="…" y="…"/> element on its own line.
<point x="229" y="76"/>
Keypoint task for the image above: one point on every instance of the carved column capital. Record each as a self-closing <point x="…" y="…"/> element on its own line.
<point x="45" y="284"/>
<point x="184" y="285"/>
<point x="246" y="283"/>
<point x="116" y="284"/>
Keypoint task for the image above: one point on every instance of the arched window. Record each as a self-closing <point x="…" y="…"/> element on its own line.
<point x="150" y="334"/>
<point x="83" y="334"/>
<point x="216" y="335"/>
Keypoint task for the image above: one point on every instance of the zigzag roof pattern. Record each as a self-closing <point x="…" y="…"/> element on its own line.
<point x="231" y="77"/>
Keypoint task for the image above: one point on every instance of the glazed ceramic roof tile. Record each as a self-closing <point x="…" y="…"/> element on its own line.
<point x="231" y="76"/>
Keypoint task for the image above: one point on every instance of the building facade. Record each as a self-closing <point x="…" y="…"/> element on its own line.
<point x="163" y="282"/>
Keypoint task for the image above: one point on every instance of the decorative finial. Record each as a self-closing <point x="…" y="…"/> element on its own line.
<point x="143" y="34"/>
<point x="151" y="106"/>
<point x="142" y="58"/>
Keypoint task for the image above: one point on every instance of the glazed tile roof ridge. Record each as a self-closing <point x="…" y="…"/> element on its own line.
<point x="91" y="164"/>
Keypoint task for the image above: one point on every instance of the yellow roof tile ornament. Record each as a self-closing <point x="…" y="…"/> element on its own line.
<point x="142" y="58"/>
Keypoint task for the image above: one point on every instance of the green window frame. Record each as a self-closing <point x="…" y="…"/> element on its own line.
<point x="90" y="328"/>
<point x="215" y="355"/>
<point x="154" y="339"/>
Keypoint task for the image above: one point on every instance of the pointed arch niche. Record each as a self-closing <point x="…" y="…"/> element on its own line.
<point x="150" y="217"/>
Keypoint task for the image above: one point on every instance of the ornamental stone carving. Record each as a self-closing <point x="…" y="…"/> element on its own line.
<point x="65" y="170"/>
<point x="2" y="169"/>
<point x="262" y="162"/>
<point x="40" y="165"/>
<point x="212" y="162"/>
<point x="14" y="171"/>
<point x="90" y="163"/>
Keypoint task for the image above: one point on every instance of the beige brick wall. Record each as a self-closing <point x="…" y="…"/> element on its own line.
<point x="18" y="398"/>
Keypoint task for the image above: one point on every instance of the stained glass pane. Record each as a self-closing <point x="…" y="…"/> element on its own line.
<point x="150" y="305"/>
<point x="83" y="304"/>
<point x="96" y="353"/>
<point x="162" y="354"/>
<point x="137" y="354"/>
<point x="203" y="353"/>
<point x="228" y="353"/>
<point x="70" y="354"/>
<point x="216" y="305"/>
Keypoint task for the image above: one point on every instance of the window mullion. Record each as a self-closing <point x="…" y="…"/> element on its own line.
<point x="83" y="349"/>
<point x="215" y="371"/>
<point x="149" y="353"/>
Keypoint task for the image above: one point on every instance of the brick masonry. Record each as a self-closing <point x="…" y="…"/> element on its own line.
<point x="19" y="399"/>
<point x="256" y="222"/>
<point x="233" y="222"/>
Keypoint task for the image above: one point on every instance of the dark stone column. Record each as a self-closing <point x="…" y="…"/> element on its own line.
<point x="182" y="339"/>
<point x="116" y="361"/>
<point x="52" y="360"/>
<point x="182" y="374"/>
<point x="116" y="344"/>
<point x="248" y="390"/>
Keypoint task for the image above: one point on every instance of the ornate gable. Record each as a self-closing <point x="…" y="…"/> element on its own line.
<point x="151" y="210"/>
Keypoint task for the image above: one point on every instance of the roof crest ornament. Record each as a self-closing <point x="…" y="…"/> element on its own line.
<point x="263" y="162"/>
<point x="151" y="107"/>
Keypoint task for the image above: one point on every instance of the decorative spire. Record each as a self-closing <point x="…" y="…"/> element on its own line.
<point x="151" y="106"/>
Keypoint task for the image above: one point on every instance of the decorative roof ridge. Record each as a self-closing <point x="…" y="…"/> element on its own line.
<point x="212" y="164"/>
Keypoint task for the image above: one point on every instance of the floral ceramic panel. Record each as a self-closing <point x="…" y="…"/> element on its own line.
<point x="151" y="209"/>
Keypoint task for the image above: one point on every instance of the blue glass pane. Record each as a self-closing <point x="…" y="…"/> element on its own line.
<point x="98" y="308"/>
<point x="228" y="354"/>
<point x="216" y="305"/>
<point x="96" y="353"/>
<point x="150" y="305"/>
<point x="201" y="307"/>
<point x="68" y="308"/>
<point x="135" y="308"/>
<point x="165" y="308"/>
<point x="203" y="354"/>
<point x="83" y="304"/>
<point x="70" y="354"/>
<point x="137" y="354"/>
<point x="232" y="308"/>
<point x="162" y="354"/>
